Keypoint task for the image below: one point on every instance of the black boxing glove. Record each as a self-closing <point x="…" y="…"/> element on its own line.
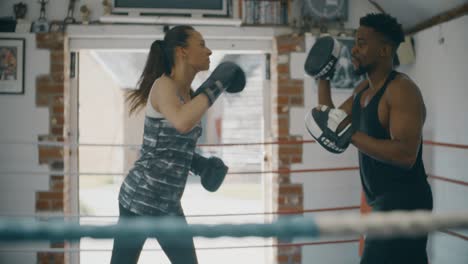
<point x="212" y="171"/>
<point x="227" y="76"/>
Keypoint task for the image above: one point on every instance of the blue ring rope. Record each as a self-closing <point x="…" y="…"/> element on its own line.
<point x="164" y="227"/>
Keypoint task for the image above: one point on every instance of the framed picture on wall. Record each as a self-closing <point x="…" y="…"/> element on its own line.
<point x="345" y="79"/>
<point x="12" y="65"/>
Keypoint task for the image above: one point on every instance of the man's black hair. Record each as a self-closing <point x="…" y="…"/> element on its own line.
<point x="388" y="26"/>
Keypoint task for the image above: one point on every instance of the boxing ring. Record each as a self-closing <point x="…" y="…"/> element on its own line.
<point x="284" y="225"/>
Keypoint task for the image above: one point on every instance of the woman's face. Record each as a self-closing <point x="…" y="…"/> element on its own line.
<point x="196" y="53"/>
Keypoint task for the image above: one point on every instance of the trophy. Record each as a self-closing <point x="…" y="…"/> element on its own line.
<point x="85" y="12"/>
<point x="107" y="7"/>
<point x="22" y="25"/>
<point x="60" y="26"/>
<point x="20" y="10"/>
<point x="41" y="24"/>
<point x="71" y="8"/>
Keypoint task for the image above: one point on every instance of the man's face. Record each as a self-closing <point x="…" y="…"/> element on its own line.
<point x="366" y="50"/>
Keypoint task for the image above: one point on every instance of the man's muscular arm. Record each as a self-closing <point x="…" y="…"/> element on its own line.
<point x="406" y="119"/>
<point x="324" y="94"/>
<point x="325" y="98"/>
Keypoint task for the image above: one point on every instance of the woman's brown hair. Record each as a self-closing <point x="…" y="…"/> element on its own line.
<point x="160" y="61"/>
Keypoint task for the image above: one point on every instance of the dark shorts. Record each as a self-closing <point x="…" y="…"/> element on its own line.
<point x="395" y="251"/>
<point x="399" y="250"/>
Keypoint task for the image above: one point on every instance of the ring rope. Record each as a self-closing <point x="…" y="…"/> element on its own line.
<point x="136" y="146"/>
<point x="285" y="171"/>
<point x="73" y="250"/>
<point x="281" y="212"/>
<point x="386" y="224"/>
<point x="74" y="173"/>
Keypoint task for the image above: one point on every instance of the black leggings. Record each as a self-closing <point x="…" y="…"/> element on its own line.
<point x="125" y="252"/>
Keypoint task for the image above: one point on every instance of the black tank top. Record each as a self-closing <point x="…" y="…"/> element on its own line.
<point x="386" y="186"/>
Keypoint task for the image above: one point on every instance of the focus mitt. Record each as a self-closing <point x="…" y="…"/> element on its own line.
<point x="322" y="58"/>
<point x="330" y="128"/>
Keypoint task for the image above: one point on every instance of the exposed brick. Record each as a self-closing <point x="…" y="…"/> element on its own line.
<point x="42" y="99"/>
<point x="58" y="99"/>
<point x="59" y="258"/>
<point x="42" y="38"/>
<point x="287" y="196"/>
<point x="289" y="250"/>
<point x="50" y="258"/>
<point x="50" y="40"/>
<point x="283" y="130"/>
<point x="287" y="48"/>
<point x="296" y="100"/>
<point x="284" y="179"/>
<point x="57" y="165"/>
<point x="290" y="82"/>
<point x="42" y="257"/>
<point x="43" y="205"/>
<point x="56" y="184"/>
<point x="296" y="158"/>
<point x="290" y="43"/>
<point x="290" y="189"/>
<point x="44" y="138"/>
<point x="43" y="80"/>
<point x="49" y="195"/>
<point x="290" y="149"/>
<point x="295" y="200"/>
<point x="286" y="157"/>
<point x="281" y="200"/>
<point x="283" y="122"/>
<point x="48" y="153"/>
<point x="294" y="37"/>
<point x="58" y="109"/>
<point x="282" y="109"/>
<point x="57" y="205"/>
<point x="289" y="259"/>
<point x="56" y="177"/>
<point x="284" y="160"/>
<point x="57" y="120"/>
<point x="49" y="88"/>
<point x="289" y="208"/>
<point x="283" y="68"/>
<point x="284" y="138"/>
<point x="284" y="39"/>
<point x="57" y="77"/>
<point x="50" y="93"/>
<point x="57" y="56"/>
<point x="295" y="138"/>
<point x="57" y="67"/>
<point x="291" y="90"/>
<point x="282" y="100"/>
<point x="286" y="250"/>
<point x="57" y="244"/>
<point x="57" y="130"/>
<point x="283" y="76"/>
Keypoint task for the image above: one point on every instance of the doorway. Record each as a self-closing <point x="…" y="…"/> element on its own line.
<point x="109" y="142"/>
